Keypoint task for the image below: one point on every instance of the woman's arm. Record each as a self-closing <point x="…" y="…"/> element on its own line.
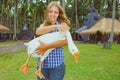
<point x="44" y="47"/>
<point x="45" y="29"/>
<point x="57" y="44"/>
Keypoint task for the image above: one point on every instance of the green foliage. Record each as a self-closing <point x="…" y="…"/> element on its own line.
<point x="95" y="63"/>
<point x="32" y="11"/>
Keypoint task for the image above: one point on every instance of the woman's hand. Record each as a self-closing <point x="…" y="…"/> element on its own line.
<point x="42" y="48"/>
<point x="63" y="27"/>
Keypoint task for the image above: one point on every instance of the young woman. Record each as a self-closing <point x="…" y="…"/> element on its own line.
<point x="53" y="67"/>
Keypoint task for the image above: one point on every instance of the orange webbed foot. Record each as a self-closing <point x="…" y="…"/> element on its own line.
<point x="75" y="56"/>
<point x="39" y="73"/>
<point x="25" y="69"/>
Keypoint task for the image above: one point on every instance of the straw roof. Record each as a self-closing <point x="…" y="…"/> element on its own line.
<point x="4" y="28"/>
<point x="103" y="26"/>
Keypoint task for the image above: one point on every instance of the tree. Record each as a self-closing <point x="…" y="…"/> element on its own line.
<point x="76" y="14"/>
<point x="63" y="4"/>
<point x="112" y="28"/>
<point x="33" y="13"/>
<point x="15" y="21"/>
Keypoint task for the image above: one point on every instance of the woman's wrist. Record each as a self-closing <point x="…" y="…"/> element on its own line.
<point x="55" y="27"/>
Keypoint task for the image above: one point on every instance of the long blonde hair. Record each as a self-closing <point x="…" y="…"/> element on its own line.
<point x="62" y="16"/>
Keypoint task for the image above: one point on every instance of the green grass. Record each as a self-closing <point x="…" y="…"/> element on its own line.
<point x="8" y="43"/>
<point x="95" y="63"/>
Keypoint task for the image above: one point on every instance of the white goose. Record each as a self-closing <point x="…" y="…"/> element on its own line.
<point x="49" y="38"/>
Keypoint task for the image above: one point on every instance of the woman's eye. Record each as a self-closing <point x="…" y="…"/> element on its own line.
<point x="50" y="11"/>
<point x="56" y="12"/>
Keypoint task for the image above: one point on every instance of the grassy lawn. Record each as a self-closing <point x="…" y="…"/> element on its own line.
<point x="8" y="43"/>
<point x="95" y="63"/>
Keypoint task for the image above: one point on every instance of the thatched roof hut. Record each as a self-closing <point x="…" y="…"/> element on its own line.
<point x="103" y="26"/>
<point x="25" y="34"/>
<point x="4" y="28"/>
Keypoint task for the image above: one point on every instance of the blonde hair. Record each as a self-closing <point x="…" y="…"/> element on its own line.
<point x="62" y="16"/>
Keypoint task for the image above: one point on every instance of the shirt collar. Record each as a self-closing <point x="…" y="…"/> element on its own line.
<point x="57" y="22"/>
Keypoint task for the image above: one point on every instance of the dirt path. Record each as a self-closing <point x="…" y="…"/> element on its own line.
<point x="12" y="48"/>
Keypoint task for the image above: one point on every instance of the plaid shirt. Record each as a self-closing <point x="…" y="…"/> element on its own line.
<point x="55" y="58"/>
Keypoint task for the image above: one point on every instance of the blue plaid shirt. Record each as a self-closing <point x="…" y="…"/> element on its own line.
<point x="55" y="58"/>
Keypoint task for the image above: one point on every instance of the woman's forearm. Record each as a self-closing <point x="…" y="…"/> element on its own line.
<point x="57" y="44"/>
<point x="45" y="29"/>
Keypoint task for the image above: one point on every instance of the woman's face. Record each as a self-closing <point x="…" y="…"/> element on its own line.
<point x="53" y="14"/>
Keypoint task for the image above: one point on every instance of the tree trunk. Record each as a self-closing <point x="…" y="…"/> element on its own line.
<point x="112" y="28"/>
<point x="15" y="15"/>
<point x="76" y="14"/>
<point x="1" y="20"/>
<point x="63" y="4"/>
<point x="47" y="1"/>
<point x="34" y="17"/>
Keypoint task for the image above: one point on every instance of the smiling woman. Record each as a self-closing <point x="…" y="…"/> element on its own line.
<point x="55" y="20"/>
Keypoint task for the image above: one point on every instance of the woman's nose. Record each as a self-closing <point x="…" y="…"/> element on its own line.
<point x="53" y="13"/>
